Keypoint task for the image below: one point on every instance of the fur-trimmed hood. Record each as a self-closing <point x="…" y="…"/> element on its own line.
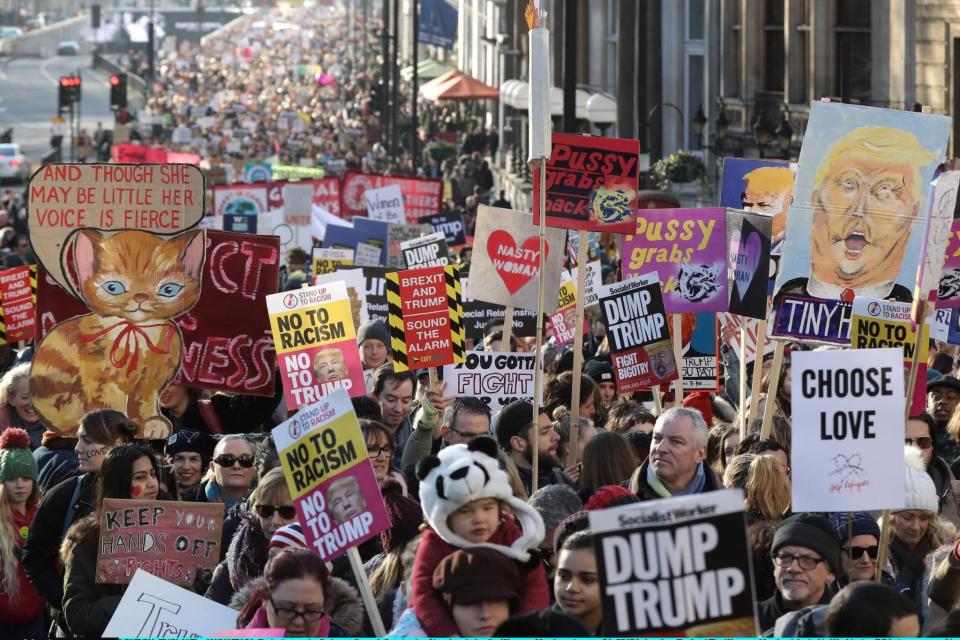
<point x="344" y="606"/>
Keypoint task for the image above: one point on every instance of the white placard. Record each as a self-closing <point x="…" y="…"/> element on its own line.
<point x="366" y="255"/>
<point x="428" y="251"/>
<point x="848" y="415"/>
<point x="496" y="378"/>
<point x="297" y="199"/>
<point x="385" y="204"/>
<point x="154" y="608"/>
<point x="592" y="282"/>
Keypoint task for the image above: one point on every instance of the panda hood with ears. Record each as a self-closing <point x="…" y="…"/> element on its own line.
<point x="463" y="473"/>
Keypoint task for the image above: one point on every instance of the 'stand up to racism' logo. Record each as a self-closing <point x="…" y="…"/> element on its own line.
<point x="873" y="309"/>
<point x="290" y="300"/>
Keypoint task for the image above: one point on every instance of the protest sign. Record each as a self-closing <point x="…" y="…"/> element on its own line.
<point x="940" y="325"/>
<point x="18" y="292"/>
<point x="592" y="283"/>
<point x="844" y="242"/>
<point x="748" y="268"/>
<point x="399" y="233"/>
<point x="562" y="324"/>
<point x="170" y="540"/>
<point x="356" y="291"/>
<point x="297" y="203"/>
<point x="506" y="260"/>
<point x="477" y="314"/>
<point x="376" y="291"/>
<point x="325" y="260"/>
<point x="257" y="172"/>
<point x="730" y="335"/>
<point x="426" y="251"/>
<point x="948" y="293"/>
<point x="852" y="453"/>
<point x="699" y="361"/>
<point x="240" y="223"/>
<point x="882" y="323"/>
<point x="296" y="172"/>
<point x="496" y="378"/>
<point x="953" y="328"/>
<point x="425" y="317"/>
<point x="367" y="255"/>
<point x="154" y="608"/>
<point x="638" y="332"/>
<point x="676" y="567"/>
<point x="686" y="248"/>
<point x="326" y="194"/>
<point x="126" y="153"/>
<point x="385" y="204"/>
<point x="316" y="343"/>
<point x="760" y="186"/>
<point x="450" y="224"/>
<point x="591" y="183"/>
<point x="240" y="199"/>
<point x="330" y="476"/>
<point x="943" y="201"/>
<point x="421" y="196"/>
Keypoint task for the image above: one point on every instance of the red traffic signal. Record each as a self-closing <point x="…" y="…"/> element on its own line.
<point x="114" y="80"/>
<point x="70" y="81"/>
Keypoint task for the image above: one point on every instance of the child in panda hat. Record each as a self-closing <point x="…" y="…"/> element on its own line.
<point x="465" y="494"/>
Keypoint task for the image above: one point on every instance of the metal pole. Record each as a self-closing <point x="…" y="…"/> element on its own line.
<point x="395" y="80"/>
<point x="385" y="76"/>
<point x="569" y="66"/>
<point x="415" y="138"/>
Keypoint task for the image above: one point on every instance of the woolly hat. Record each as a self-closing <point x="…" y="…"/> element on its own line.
<point x="856" y="523"/>
<point x="406" y="516"/>
<point x="16" y="460"/>
<point x="921" y="492"/>
<point x="554" y="503"/>
<point x="579" y="521"/>
<point x="187" y="440"/>
<point x="700" y="400"/>
<point x="611" y="495"/>
<point x="374" y="330"/>
<point x="599" y="371"/>
<point x="290" y="535"/>
<point x="463" y="473"/>
<point x="810" y="531"/>
<point x="476" y="575"/>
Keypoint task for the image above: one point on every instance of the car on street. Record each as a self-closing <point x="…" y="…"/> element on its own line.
<point x="10" y="32"/>
<point x="68" y="48"/>
<point x="13" y="164"/>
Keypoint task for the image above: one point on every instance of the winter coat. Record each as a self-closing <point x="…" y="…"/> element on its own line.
<point x="246" y="558"/>
<point x="408" y="626"/>
<point x="56" y="461"/>
<point x="943" y="479"/>
<point x="429" y="604"/>
<point x="9" y="418"/>
<point x="639" y="485"/>
<point x="41" y="553"/>
<point x="87" y="604"/>
<point x="344" y="608"/>
<point x="29" y="605"/>
<point x="769" y="610"/>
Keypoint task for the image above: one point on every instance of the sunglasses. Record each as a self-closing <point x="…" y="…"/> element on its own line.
<point x="857" y="552"/>
<point x="267" y="511"/>
<point x="923" y="442"/>
<point x="228" y="460"/>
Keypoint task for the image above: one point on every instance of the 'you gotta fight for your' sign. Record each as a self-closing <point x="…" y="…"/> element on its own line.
<point x="849" y="452"/>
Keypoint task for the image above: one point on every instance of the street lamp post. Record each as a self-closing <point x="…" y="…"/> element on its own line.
<point x="785" y="134"/>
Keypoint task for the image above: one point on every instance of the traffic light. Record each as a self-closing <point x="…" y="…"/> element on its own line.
<point x="118" y="91"/>
<point x="69" y="92"/>
<point x="95" y="16"/>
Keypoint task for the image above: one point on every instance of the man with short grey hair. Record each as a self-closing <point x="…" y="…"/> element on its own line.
<point x="677" y="462"/>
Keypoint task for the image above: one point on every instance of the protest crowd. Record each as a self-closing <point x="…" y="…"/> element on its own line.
<point x="602" y="496"/>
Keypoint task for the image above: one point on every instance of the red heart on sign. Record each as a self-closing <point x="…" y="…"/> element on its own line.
<point x="515" y="265"/>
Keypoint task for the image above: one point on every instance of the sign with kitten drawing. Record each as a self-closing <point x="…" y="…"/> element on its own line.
<point x="591" y="183"/>
<point x="686" y="248"/>
<point x="316" y="343"/>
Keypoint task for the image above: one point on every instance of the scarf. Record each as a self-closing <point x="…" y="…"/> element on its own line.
<point x="696" y="485"/>
<point x="212" y="491"/>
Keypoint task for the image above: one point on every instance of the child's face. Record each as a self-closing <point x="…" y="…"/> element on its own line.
<point x="476" y="521"/>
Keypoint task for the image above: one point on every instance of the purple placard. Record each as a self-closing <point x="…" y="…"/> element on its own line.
<point x="686" y="248"/>
<point x="816" y="319"/>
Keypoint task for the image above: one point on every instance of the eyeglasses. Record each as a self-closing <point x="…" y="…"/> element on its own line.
<point x="469" y="437"/>
<point x="374" y="451"/>
<point x="267" y="510"/>
<point x="857" y="552"/>
<point x="784" y="560"/>
<point x="923" y="442"/>
<point x="291" y="614"/>
<point x="228" y="460"/>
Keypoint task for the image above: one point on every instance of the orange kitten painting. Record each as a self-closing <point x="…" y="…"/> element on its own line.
<point x="128" y="349"/>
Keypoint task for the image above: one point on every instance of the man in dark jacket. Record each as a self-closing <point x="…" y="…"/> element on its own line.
<point x="677" y="462"/>
<point x="806" y="558"/>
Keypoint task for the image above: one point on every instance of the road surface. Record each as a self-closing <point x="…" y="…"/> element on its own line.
<point x="28" y="99"/>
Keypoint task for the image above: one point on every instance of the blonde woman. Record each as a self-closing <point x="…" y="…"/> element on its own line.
<point x="16" y="407"/>
<point x="766" y="501"/>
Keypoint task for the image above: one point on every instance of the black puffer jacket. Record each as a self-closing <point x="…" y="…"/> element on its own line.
<point x="246" y="557"/>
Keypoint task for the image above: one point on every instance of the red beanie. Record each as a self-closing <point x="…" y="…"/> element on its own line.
<point x="611" y="495"/>
<point x="700" y="400"/>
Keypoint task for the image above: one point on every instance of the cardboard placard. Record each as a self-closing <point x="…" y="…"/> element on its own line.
<point x="760" y="186"/>
<point x="18" y="292"/>
<point x="376" y="291"/>
<point x="855" y="231"/>
<point x="748" y="267"/>
<point x="496" y="378"/>
<point x="562" y="324"/>
<point x="686" y="248"/>
<point x="385" y="204"/>
<point x="398" y="234"/>
<point x="948" y="292"/>
<point x="477" y="314"/>
<point x="356" y="290"/>
<point x="316" y="343"/>
<point x="324" y="260"/>
<point x="851" y="452"/>
<point x="653" y="556"/>
<point x="296" y="172"/>
<point x="367" y="255"/>
<point x="330" y="476"/>
<point x="154" y="608"/>
<point x="326" y="194"/>
<point x="297" y="203"/>
<point x="940" y="325"/>
<point x="730" y="335"/>
<point x="240" y="199"/>
<point x="943" y="201"/>
<point x="450" y="224"/>
<point x="427" y="251"/>
<point x="421" y="196"/>
<point x="506" y="261"/>
<point x="240" y="223"/>
<point x="591" y="183"/>
<point x="592" y="282"/>
<point x="425" y="317"/>
<point x="699" y="346"/>
<point x="638" y="333"/>
<point x="170" y="540"/>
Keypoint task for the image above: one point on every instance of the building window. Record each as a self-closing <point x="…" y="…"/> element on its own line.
<point x="852" y="33"/>
<point x="695" y="19"/>
<point x="774" y="52"/>
<point x="732" y="56"/>
<point x="613" y="26"/>
<point x="694" y="51"/>
<point x="802" y="42"/>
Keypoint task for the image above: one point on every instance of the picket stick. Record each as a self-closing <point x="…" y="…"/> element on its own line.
<point x="577" y="347"/>
<point x="771" y="388"/>
<point x="657" y="400"/>
<point x="507" y="330"/>
<point x="920" y="319"/>
<point x="365" y="591"/>
<point x="432" y="372"/>
<point x="743" y="378"/>
<point x="540" y="171"/>
<point x="758" y="368"/>
<point x="678" y="356"/>
<point x="884" y="544"/>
